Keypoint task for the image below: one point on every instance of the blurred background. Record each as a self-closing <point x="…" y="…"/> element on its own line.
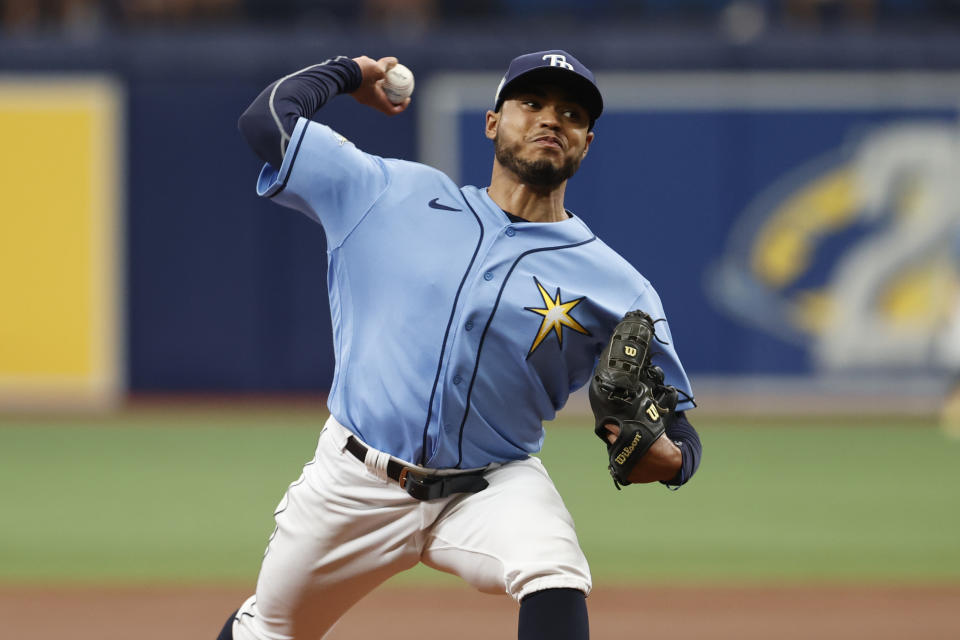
<point x="786" y="173"/>
<point x="794" y="163"/>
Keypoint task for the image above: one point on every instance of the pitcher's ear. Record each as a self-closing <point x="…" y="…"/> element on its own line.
<point x="586" y="147"/>
<point x="491" y="124"/>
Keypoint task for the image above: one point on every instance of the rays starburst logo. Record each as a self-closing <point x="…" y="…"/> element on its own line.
<point x="556" y="316"/>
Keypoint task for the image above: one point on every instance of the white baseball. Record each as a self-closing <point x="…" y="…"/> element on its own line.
<point x="398" y="85"/>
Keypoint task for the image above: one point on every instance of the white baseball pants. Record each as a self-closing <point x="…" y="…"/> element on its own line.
<point x="343" y="528"/>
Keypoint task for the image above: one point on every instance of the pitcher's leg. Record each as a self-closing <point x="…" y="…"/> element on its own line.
<point x="340" y="533"/>
<point x="554" y="614"/>
<point x="516" y="536"/>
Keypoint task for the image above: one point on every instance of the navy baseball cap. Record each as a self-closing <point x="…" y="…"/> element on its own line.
<point x="554" y="66"/>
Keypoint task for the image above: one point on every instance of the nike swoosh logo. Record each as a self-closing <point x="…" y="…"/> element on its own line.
<point x="436" y="205"/>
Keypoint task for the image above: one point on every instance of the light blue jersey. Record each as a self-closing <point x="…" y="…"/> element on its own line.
<point x="456" y="331"/>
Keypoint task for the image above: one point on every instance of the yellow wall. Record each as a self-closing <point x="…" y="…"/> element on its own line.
<point x="60" y="267"/>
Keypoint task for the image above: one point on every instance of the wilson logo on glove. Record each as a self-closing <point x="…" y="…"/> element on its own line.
<point x="629" y="449"/>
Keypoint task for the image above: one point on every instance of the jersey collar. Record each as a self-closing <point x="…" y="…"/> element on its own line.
<point x="572" y="229"/>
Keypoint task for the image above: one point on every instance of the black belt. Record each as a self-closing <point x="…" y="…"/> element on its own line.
<point x="420" y="485"/>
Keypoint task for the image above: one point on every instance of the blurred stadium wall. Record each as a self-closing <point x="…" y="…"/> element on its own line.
<point x="792" y="193"/>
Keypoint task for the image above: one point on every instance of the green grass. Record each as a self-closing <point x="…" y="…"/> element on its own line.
<point x="178" y="496"/>
<point x="188" y="496"/>
<point x="796" y="502"/>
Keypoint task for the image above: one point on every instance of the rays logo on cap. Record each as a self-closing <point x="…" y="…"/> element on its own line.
<point x="558" y="60"/>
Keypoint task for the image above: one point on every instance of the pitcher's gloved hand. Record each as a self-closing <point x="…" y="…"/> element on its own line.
<point x="628" y="391"/>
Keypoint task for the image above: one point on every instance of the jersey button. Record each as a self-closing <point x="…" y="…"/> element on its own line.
<point x="510" y="232"/>
<point x="457" y="379"/>
<point x="468" y="325"/>
<point x="488" y="276"/>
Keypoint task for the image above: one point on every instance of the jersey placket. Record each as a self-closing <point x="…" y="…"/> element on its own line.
<point x="486" y="284"/>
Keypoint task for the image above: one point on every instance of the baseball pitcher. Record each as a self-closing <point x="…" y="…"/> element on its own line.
<point x="463" y="318"/>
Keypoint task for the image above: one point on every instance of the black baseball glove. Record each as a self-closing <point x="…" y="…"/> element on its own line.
<point x="627" y="390"/>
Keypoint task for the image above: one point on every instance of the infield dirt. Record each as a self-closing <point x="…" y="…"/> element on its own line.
<point x="678" y="613"/>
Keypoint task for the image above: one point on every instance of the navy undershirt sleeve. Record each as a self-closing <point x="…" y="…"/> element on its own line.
<point x="298" y="95"/>
<point x="685" y="436"/>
